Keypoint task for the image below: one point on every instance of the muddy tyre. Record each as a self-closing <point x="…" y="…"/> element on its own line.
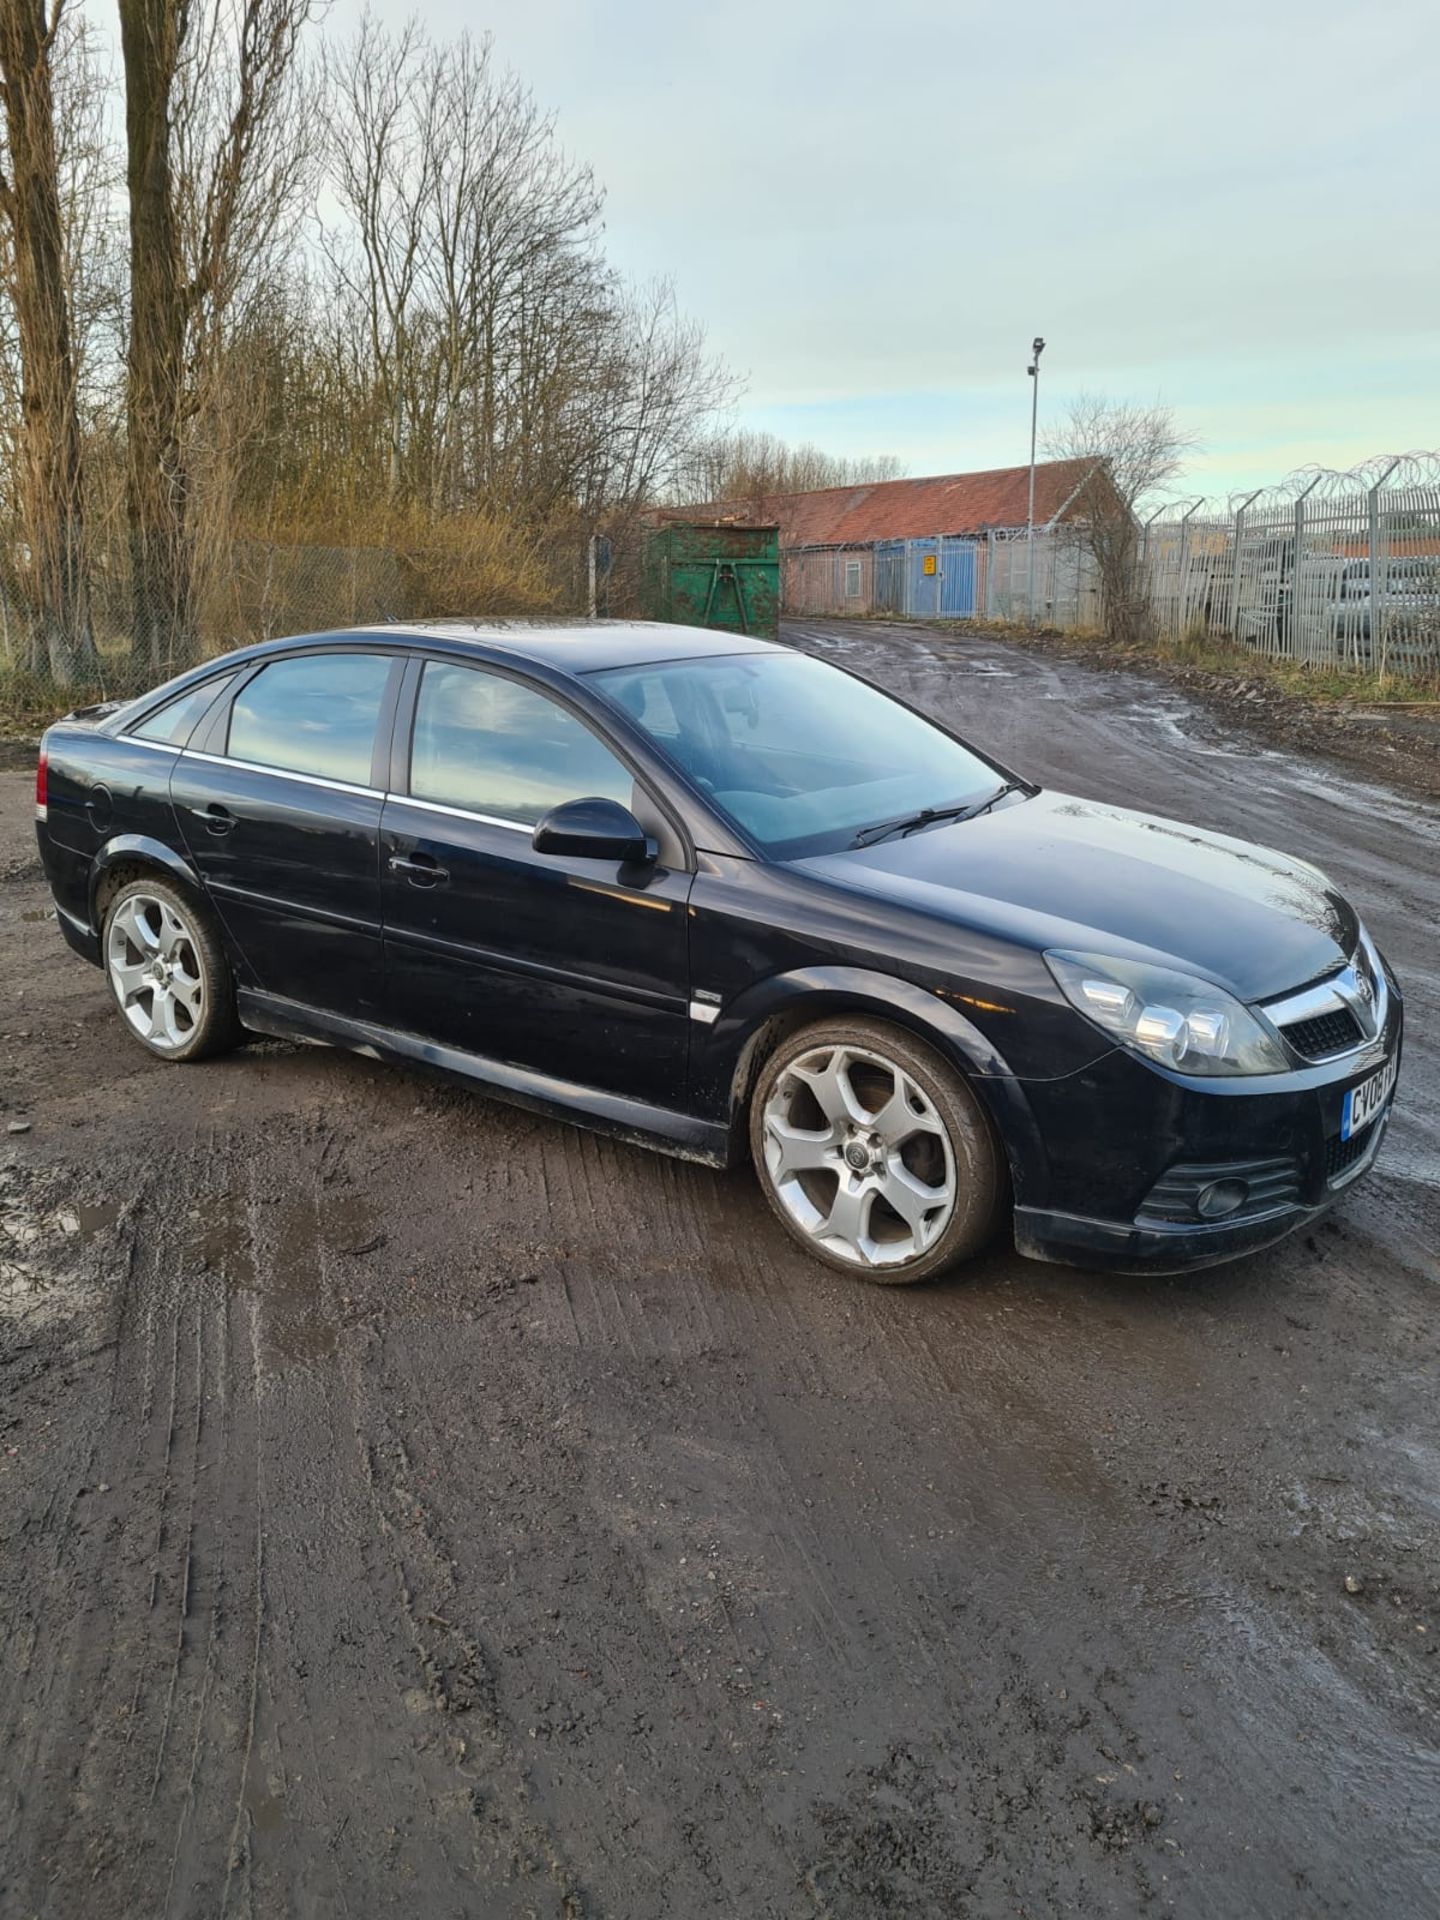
<point x="873" y="1152"/>
<point x="168" y="972"/>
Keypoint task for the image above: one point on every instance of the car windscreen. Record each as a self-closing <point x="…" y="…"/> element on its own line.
<point x="797" y="754"/>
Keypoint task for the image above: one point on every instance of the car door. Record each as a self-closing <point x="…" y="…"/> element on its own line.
<point x="279" y="800"/>
<point x="575" y="968"/>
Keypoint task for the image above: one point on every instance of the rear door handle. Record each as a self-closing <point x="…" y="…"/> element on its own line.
<point x="217" y="819"/>
<point x="420" y="869"/>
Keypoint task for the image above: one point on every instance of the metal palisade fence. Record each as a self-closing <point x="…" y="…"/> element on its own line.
<point x="1333" y="569"/>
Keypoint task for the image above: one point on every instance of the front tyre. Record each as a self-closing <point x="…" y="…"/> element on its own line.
<point x="168" y="972"/>
<point x="873" y="1152"/>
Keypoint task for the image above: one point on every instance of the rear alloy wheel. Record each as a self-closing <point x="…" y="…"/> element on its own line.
<point x="168" y="973"/>
<point x="873" y="1152"/>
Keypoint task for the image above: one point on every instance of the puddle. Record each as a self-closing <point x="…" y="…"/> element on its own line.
<point x="92" y="1220"/>
<point x="266" y="1810"/>
<point x="1371" y="802"/>
<point x="285" y="1256"/>
<point x="38" y="1282"/>
<point x="1158" y="715"/>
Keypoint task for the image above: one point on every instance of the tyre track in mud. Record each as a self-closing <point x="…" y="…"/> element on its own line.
<point x="499" y="1520"/>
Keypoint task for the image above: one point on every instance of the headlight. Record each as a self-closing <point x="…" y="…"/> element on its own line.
<point x="1183" y="1023"/>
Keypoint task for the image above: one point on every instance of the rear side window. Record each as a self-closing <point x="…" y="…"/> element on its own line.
<point x="174" y="723"/>
<point x="313" y="715"/>
<point x="492" y="746"/>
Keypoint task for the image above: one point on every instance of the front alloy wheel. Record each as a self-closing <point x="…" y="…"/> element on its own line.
<point x="873" y="1152"/>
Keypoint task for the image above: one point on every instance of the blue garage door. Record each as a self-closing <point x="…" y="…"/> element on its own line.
<point x="940" y="576"/>
<point x="957" y="579"/>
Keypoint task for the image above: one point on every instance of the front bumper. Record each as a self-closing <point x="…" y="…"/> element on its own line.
<point x="1120" y="1136"/>
<point x="1175" y="1247"/>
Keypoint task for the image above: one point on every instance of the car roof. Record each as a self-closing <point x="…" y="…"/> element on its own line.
<point x="574" y="646"/>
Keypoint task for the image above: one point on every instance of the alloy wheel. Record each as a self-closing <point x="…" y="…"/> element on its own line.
<point x="858" y="1156"/>
<point x="154" y="967"/>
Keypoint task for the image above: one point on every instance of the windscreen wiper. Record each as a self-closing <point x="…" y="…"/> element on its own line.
<point x="912" y="822"/>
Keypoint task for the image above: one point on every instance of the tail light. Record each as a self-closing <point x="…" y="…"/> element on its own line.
<point x="41" y="766"/>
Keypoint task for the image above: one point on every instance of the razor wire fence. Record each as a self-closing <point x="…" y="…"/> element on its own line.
<point x="1330" y="569"/>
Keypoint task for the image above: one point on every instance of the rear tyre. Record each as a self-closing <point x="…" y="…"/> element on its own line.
<point x="168" y="972"/>
<point x="873" y="1152"/>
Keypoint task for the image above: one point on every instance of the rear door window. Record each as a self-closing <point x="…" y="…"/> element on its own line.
<point x="490" y="745"/>
<point x="316" y="714"/>
<point x="173" y="724"/>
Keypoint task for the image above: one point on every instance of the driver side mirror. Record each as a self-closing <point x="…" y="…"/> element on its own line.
<point x="593" y="829"/>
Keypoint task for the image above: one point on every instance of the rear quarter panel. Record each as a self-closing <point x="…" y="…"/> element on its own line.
<point x="98" y="788"/>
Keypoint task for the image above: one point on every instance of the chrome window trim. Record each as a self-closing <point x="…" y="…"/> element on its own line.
<point x="154" y="746"/>
<point x="345" y="786"/>
<point x="460" y="813"/>
<point x="284" y="773"/>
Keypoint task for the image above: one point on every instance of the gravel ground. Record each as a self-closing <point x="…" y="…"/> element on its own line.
<point x="410" y="1506"/>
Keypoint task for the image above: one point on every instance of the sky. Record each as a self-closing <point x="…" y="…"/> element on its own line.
<point x="874" y="208"/>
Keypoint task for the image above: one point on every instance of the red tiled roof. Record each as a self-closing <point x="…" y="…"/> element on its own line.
<point x="908" y="509"/>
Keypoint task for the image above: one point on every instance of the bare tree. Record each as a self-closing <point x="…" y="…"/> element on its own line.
<point x="746" y="465"/>
<point x="464" y="385"/>
<point x="1132" y="452"/>
<point x="51" y="479"/>
<point x="207" y="83"/>
<point x="468" y="249"/>
<point x="506" y="367"/>
<point x="664" y="390"/>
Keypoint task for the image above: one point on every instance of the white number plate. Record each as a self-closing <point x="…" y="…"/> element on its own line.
<point x="1362" y="1103"/>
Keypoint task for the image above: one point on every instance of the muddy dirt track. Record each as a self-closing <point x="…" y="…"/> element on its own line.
<point x="412" y="1507"/>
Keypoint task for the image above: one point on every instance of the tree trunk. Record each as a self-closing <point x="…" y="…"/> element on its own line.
<point x="162" y="637"/>
<point x="51" y="477"/>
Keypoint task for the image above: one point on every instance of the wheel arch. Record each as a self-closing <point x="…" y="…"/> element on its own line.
<point x="759" y="1019"/>
<point x="131" y="856"/>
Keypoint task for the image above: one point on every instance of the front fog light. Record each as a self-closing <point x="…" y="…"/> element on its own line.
<point x="1221" y="1197"/>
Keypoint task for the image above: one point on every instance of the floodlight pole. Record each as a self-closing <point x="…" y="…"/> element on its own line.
<point x="1033" y="370"/>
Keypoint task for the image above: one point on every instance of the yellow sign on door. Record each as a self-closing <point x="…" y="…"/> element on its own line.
<point x="927" y="565"/>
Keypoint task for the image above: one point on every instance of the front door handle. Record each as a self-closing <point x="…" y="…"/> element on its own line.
<point x="420" y="869"/>
<point x="217" y="819"/>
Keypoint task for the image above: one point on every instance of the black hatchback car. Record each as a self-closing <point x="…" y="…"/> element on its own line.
<point x="717" y="896"/>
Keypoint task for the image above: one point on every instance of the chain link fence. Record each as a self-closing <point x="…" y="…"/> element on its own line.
<point x="247" y="590"/>
<point x="256" y="591"/>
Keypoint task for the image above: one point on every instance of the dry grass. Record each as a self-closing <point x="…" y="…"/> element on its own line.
<point x="1355" y="686"/>
<point x="1224" y="660"/>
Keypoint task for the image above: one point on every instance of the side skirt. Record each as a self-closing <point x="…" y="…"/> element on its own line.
<point x="660" y="1128"/>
